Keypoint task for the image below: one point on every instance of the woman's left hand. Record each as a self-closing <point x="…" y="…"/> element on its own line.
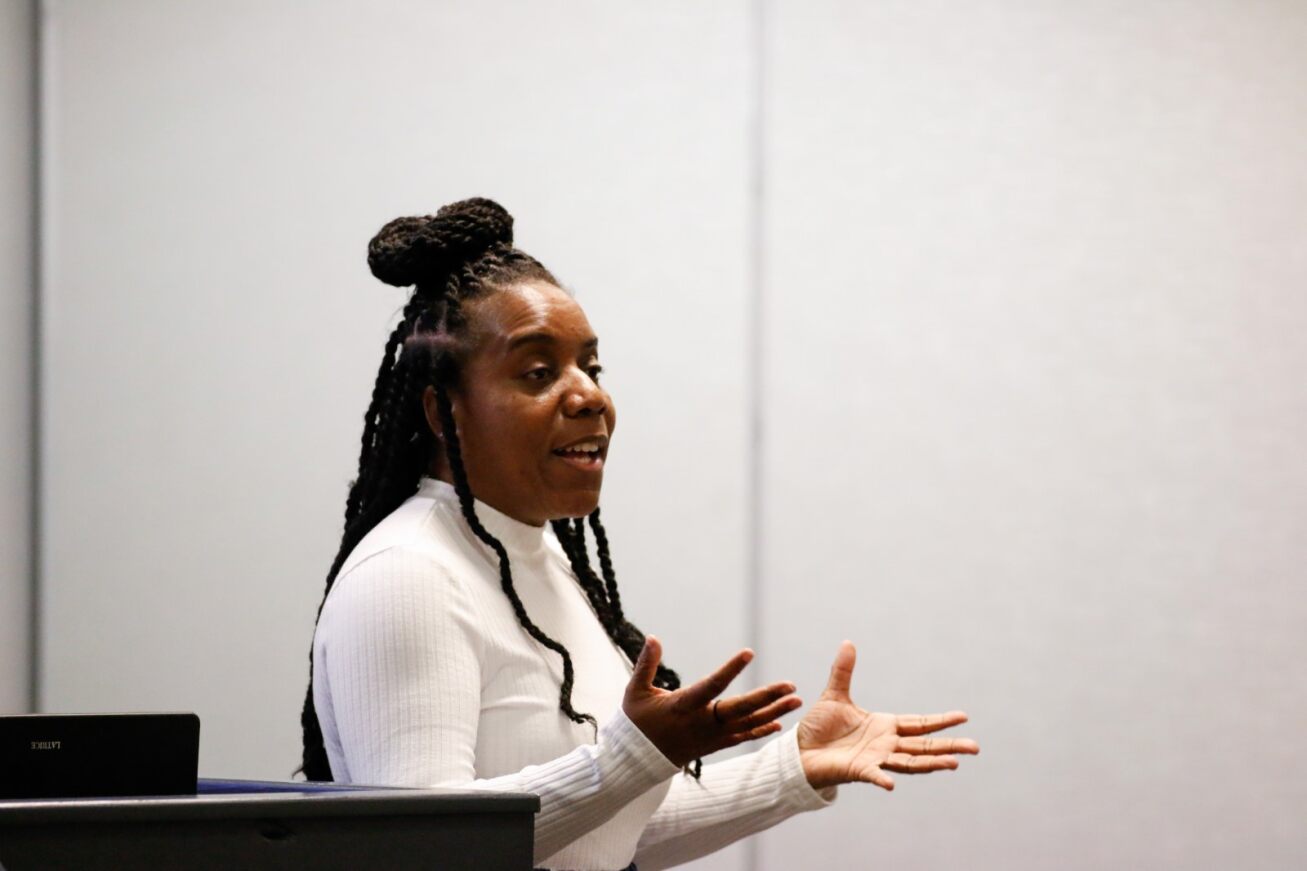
<point x="840" y="742"/>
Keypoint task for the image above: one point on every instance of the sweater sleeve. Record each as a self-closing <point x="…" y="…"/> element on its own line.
<point x="403" y="671"/>
<point x="733" y="799"/>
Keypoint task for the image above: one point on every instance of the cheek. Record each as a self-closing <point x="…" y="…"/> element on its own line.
<point x="494" y="434"/>
<point x="524" y="435"/>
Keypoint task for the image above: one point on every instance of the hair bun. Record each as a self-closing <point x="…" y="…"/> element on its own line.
<point x="422" y="250"/>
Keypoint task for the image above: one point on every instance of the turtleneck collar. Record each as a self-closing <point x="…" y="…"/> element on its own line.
<point x="519" y="539"/>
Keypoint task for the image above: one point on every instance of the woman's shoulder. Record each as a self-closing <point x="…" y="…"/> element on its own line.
<point x="416" y="539"/>
<point x="397" y="591"/>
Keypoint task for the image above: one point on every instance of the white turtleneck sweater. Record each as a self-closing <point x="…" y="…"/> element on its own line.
<point x="423" y="676"/>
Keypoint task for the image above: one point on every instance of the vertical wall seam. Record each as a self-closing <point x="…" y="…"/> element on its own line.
<point x="756" y="362"/>
<point x="755" y="328"/>
<point x="34" y="504"/>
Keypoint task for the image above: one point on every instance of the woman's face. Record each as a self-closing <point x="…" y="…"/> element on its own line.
<point x="533" y="422"/>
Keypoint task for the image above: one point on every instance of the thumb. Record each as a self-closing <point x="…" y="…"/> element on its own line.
<point x="841" y="671"/>
<point x="646" y="665"/>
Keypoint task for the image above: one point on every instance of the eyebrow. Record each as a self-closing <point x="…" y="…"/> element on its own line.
<point x="539" y="338"/>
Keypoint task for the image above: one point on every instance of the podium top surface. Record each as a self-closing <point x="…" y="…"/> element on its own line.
<point x="253" y="799"/>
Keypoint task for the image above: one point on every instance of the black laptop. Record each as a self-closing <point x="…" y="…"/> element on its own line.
<point x="89" y="755"/>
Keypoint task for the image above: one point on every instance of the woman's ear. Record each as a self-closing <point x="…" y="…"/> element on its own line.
<point x="432" y="412"/>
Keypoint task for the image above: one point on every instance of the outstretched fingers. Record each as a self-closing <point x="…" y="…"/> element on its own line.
<point x="768" y="713"/>
<point x="745" y="704"/>
<point x="906" y="763"/>
<point x="922" y="724"/>
<point x="704" y="691"/>
<point x="753" y="734"/>
<point x="935" y="746"/>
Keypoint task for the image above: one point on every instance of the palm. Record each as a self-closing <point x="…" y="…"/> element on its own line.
<point x="844" y="740"/>
<point x="843" y="743"/>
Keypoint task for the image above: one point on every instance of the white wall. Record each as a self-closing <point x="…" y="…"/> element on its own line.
<point x="17" y="238"/>
<point x="1037" y="420"/>
<point x="1032" y="369"/>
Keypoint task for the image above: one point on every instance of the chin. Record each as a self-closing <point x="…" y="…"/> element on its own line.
<point x="578" y="505"/>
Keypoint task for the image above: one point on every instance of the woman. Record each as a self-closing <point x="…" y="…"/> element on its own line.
<point x="461" y="643"/>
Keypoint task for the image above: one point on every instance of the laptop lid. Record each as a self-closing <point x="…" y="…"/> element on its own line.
<point x="88" y="755"/>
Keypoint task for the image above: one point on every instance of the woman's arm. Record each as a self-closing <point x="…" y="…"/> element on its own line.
<point x="401" y="664"/>
<point x="732" y="800"/>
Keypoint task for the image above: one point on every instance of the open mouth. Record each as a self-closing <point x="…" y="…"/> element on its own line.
<point x="588" y="454"/>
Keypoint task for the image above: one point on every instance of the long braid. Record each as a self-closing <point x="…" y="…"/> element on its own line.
<point x="628" y="635"/>
<point x="375" y="407"/>
<point x="622" y="632"/>
<point x="625" y="634"/>
<point x="606" y="564"/>
<point x="593" y="590"/>
<point x="454" y="452"/>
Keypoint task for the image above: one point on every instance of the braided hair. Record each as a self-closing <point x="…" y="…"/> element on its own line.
<point x="463" y="252"/>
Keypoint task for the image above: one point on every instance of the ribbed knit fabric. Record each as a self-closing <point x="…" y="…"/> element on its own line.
<point x="423" y="676"/>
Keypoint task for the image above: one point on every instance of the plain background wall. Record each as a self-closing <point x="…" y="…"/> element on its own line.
<point x="17" y="256"/>
<point x="1030" y="356"/>
<point x="1036" y="421"/>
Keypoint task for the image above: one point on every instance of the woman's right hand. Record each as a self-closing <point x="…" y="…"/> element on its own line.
<point x="692" y="722"/>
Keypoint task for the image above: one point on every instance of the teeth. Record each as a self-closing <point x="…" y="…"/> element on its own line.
<point x="584" y="447"/>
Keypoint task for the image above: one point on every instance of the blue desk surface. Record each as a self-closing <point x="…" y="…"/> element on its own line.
<point x="221" y="786"/>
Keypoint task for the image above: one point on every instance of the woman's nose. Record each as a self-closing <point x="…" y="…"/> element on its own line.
<point x="584" y="397"/>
